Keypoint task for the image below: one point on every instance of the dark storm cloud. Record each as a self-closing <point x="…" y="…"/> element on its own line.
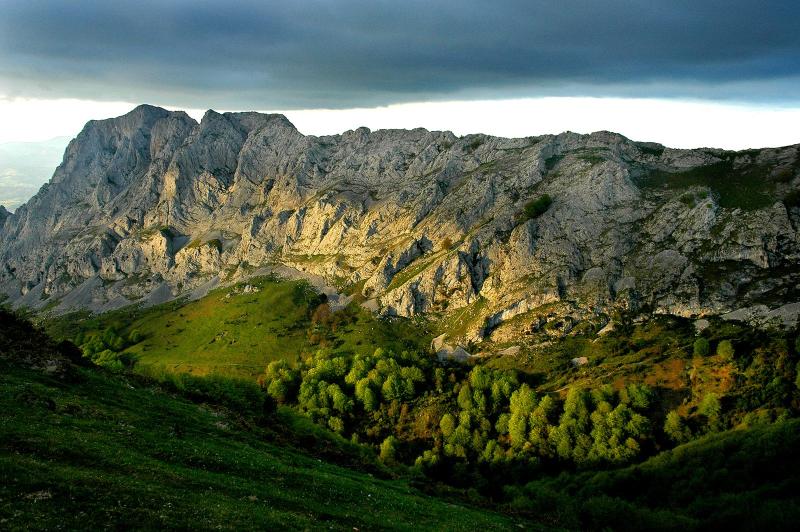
<point x="343" y="53"/>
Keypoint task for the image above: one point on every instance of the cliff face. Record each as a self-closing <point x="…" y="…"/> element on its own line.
<point x="152" y="204"/>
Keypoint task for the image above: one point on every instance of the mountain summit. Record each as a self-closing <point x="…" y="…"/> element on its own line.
<point x="553" y="231"/>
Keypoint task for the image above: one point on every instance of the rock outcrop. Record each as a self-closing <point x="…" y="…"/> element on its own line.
<point x="421" y="221"/>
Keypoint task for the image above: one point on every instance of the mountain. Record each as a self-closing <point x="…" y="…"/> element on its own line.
<point x="553" y="231"/>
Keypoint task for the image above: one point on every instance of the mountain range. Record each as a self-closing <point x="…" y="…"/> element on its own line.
<point x="502" y="237"/>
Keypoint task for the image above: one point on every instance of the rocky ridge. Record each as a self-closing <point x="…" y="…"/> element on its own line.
<point x="152" y="204"/>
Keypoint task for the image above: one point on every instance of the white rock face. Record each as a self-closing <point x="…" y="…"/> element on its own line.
<point x="153" y="204"/>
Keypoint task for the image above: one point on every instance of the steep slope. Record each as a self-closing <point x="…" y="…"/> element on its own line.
<point x="89" y="450"/>
<point x="151" y="204"/>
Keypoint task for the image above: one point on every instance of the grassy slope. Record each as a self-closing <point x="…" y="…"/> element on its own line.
<point x="735" y="480"/>
<point x="240" y="334"/>
<point x="117" y="451"/>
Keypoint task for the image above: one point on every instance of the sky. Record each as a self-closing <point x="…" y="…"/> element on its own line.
<point x="684" y="73"/>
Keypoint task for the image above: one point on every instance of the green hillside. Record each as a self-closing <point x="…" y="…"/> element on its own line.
<point x="735" y="480"/>
<point x="238" y="330"/>
<point x="84" y="448"/>
<point x="88" y="450"/>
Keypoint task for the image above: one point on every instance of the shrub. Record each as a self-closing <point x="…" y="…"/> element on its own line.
<point x="710" y="406"/>
<point x="701" y="347"/>
<point x="388" y="450"/>
<point x="725" y="350"/>
<point x="135" y="336"/>
<point x="110" y="359"/>
<point x="675" y="428"/>
<point x="535" y="208"/>
<point x="447" y="425"/>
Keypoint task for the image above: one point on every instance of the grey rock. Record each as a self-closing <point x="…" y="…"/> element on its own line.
<point x="152" y="205"/>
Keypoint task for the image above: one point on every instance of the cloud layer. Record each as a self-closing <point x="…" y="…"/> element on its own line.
<point x="345" y="53"/>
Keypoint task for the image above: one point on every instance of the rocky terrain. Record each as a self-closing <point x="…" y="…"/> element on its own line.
<point x="152" y="205"/>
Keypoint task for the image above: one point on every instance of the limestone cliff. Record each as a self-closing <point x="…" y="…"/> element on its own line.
<point x="152" y="204"/>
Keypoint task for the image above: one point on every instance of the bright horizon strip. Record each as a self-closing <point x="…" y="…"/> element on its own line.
<point x="674" y="123"/>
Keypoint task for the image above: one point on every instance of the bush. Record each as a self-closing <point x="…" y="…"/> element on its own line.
<point x="388" y="450"/>
<point x="725" y="350"/>
<point x="675" y="428"/>
<point x="710" y="406"/>
<point x="447" y="425"/>
<point x="535" y="208"/>
<point x="701" y="347"/>
<point x="135" y="337"/>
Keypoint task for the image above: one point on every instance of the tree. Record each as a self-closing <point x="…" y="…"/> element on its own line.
<point x="570" y="438"/>
<point x="340" y="402"/>
<point x="523" y="401"/>
<point x="427" y="460"/>
<point x="518" y="429"/>
<point x="480" y="378"/>
<point x="502" y="388"/>
<point x="280" y="381"/>
<point x="439" y="377"/>
<point x="725" y="350"/>
<point x="108" y="359"/>
<point x="539" y="425"/>
<point x="447" y="425"/>
<point x="109" y="336"/>
<point x="465" y="397"/>
<point x="465" y="419"/>
<point x="479" y="401"/>
<point x="359" y="369"/>
<point x="710" y="407"/>
<point x="370" y="400"/>
<point x="366" y="394"/>
<point x="675" y="428"/>
<point x="492" y="452"/>
<point x="278" y="390"/>
<point x="638" y="396"/>
<point x="92" y="346"/>
<point x="502" y="423"/>
<point x="393" y="388"/>
<point x="388" y="450"/>
<point x="701" y="347"/>
<point x="336" y="424"/>
<point x="603" y="393"/>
